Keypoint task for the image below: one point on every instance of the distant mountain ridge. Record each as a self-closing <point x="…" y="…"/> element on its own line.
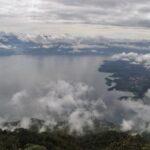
<point x="20" y="44"/>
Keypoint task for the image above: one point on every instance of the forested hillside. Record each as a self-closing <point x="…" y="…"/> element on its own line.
<point x="22" y="139"/>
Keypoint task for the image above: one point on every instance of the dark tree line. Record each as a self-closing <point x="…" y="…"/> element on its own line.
<point x="22" y="139"/>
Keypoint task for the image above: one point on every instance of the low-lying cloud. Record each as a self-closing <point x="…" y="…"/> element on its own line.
<point x="74" y="105"/>
<point x="134" y="58"/>
<point x="59" y="101"/>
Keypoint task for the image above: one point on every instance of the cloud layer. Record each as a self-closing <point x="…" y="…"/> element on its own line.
<point x="73" y="104"/>
<point x="58" y="102"/>
<point x="143" y="59"/>
<point x="133" y="13"/>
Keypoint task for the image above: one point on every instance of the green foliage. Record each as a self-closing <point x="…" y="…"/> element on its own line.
<point x="34" y="147"/>
<point x="22" y="139"/>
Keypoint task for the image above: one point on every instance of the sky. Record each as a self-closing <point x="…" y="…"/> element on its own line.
<point x="78" y="17"/>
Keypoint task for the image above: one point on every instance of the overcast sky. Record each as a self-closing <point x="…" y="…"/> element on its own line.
<point x="29" y="15"/>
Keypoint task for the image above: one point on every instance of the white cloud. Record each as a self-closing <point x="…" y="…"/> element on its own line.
<point x="139" y="119"/>
<point x="59" y="101"/>
<point x="25" y="123"/>
<point x="79" y="119"/>
<point x="134" y="58"/>
<point x="127" y="125"/>
<point x="74" y="104"/>
<point x="148" y="93"/>
<point x="109" y="12"/>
